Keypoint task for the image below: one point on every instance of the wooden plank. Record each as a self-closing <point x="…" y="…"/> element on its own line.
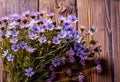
<point x="115" y="26"/>
<point x="18" y="6"/>
<point x="94" y="13"/>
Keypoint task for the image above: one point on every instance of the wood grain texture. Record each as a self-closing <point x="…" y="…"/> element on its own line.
<point x="17" y="6"/>
<point x="115" y="27"/>
<point x="94" y="13"/>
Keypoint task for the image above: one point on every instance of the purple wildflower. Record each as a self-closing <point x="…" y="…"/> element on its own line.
<point x="13" y="40"/>
<point x="49" y="26"/>
<point x="15" y="47"/>
<point x="8" y="33"/>
<point x="30" y="49"/>
<point x="72" y="59"/>
<point x="42" y="39"/>
<point x="89" y="32"/>
<point x="10" y="58"/>
<point x="25" y="13"/>
<point x="72" y="18"/>
<point x="56" y="62"/>
<point x="56" y="40"/>
<point x="82" y="62"/>
<point x="97" y="60"/>
<point x="83" y="56"/>
<point x="29" y="72"/>
<point x="63" y="59"/>
<point x="5" y="52"/>
<point x="99" y="68"/>
<point x="32" y="36"/>
<point x="69" y="72"/>
<point x="15" y="33"/>
<point x="23" y="44"/>
<point x="62" y="18"/>
<point x="51" y="14"/>
<point x="62" y="34"/>
<point x="66" y="23"/>
<point x="71" y="52"/>
<point x="41" y="12"/>
<point x="81" y="77"/>
<point x="35" y="29"/>
<point x="33" y="14"/>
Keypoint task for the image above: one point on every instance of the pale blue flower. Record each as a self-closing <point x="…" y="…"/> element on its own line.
<point x="13" y="40"/>
<point x="15" y="47"/>
<point x="10" y="58"/>
<point x="29" y="72"/>
<point x="5" y="52"/>
<point x="42" y="39"/>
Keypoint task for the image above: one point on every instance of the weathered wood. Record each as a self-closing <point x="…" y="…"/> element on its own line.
<point x="94" y="13"/>
<point x="115" y="28"/>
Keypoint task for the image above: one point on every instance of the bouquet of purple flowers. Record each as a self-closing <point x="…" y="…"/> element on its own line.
<point x="36" y="47"/>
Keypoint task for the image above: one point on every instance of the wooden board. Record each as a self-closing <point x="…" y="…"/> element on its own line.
<point x="95" y="13"/>
<point x="115" y="28"/>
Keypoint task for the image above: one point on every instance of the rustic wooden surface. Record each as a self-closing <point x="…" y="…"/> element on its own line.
<point x="104" y="14"/>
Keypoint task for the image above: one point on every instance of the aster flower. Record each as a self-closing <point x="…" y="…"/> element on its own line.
<point x="66" y="23"/>
<point x="63" y="59"/>
<point x="41" y="12"/>
<point x="97" y="60"/>
<point x="69" y="72"/>
<point x="99" y="68"/>
<point x="30" y="49"/>
<point x="15" y="32"/>
<point x="72" y="18"/>
<point x="82" y="28"/>
<point x="13" y="40"/>
<point x="23" y="44"/>
<point x="56" y="62"/>
<point x="56" y="40"/>
<point x="61" y="18"/>
<point x="26" y="13"/>
<point x="33" y="14"/>
<point x="72" y="59"/>
<point x="10" y="58"/>
<point x="71" y="52"/>
<point x="5" y="52"/>
<point x="35" y="29"/>
<point x="49" y="26"/>
<point x="8" y="33"/>
<point x="62" y="34"/>
<point x="29" y="72"/>
<point x="81" y="77"/>
<point x="89" y="32"/>
<point x="14" y="17"/>
<point x="42" y="39"/>
<point x="12" y="25"/>
<point x="51" y="14"/>
<point x="32" y="36"/>
<point x="15" y="47"/>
